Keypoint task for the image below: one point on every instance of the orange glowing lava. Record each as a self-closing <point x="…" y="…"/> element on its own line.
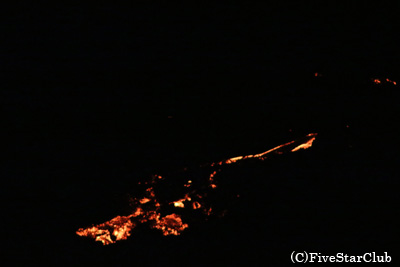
<point x="307" y="144"/>
<point x="171" y="225"/>
<point x="304" y="145"/>
<point x="109" y="232"/>
<point x="196" y="205"/>
<point x="144" y="200"/>
<point x="179" y="203"/>
<point x="390" y="81"/>
<point x="379" y="81"/>
<point x="148" y="208"/>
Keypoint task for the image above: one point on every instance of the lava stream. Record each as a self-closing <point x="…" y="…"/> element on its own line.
<point x="148" y="209"/>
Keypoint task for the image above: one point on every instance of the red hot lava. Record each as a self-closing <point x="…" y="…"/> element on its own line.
<point x="148" y="208"/>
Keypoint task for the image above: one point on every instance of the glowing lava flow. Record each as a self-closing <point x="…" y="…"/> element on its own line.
<point x="307" y="144"/>
<point x="390" y="81"/>
<point x="118" y="227"/>
<point x="304" y="145"/>
<point x="147" y="209"/>
<point x="378" y="81"/>
<point x="179" y="203"/>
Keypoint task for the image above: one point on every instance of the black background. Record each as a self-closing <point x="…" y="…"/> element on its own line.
<point x="96" y="98"/>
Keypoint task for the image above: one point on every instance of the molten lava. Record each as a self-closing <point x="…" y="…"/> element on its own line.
<point x="390" y="81"/>
<point x="118" y="228"/>
<point x="304" y="145"/>
<point x="171" y="224"/>
<point x="379" y="81"/>
<point x="179" y="203"/>
<point x="148" y="208"/>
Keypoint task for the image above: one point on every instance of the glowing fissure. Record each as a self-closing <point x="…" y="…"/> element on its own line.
<point x="148" y="208"/>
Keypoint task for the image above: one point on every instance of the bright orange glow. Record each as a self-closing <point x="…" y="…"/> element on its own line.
<point x="377" y="81"/>
<point x="148" y="207"/>
<point x="171" y="225"/>
<point x="144" y="200"/>
<point x="109" y="232"/>
<point x="196" y="205"/>
<point x="387" y="80"/>
<point x="233" y="160"/>
<point x="305" y="145"/>
<point x="211" y="179"/>
<point x="212" y="175"/>
<point x="179" y="203"/>
<point x="390" y="81"/>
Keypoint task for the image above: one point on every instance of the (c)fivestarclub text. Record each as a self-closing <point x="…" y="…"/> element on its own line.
<point x="316" y="257"/>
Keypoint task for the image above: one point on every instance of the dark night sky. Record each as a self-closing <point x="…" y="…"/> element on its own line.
<point x="87" y="91"/>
